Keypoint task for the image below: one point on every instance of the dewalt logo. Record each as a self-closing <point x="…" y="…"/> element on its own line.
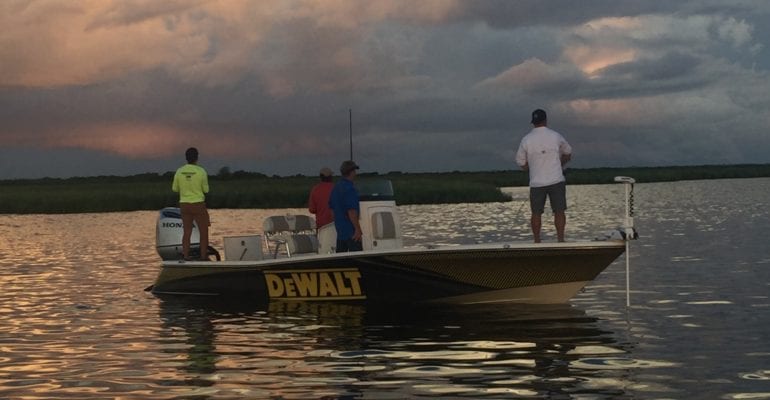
<point x="322" y="284"/>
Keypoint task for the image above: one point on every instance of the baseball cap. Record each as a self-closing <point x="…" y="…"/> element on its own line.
<point x="326" y="171"/>
<point x="347" y="166"/>
<point x="538" y="116"/>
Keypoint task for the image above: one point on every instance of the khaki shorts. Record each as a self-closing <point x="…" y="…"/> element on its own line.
<point x="195" y="212"/>
<point x="557" y="196"/>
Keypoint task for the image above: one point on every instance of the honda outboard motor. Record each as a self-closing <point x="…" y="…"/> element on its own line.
<point x="168" y="236"/>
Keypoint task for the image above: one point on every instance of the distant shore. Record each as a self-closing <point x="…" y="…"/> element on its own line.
<point x="242" y="189"/>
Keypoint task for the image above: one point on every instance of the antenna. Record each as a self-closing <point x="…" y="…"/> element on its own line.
<point x="350" y="126"/>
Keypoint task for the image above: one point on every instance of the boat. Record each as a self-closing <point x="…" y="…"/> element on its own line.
<point x="295" y="261"/>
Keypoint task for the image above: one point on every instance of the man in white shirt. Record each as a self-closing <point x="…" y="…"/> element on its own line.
<point x="543" y="152"/>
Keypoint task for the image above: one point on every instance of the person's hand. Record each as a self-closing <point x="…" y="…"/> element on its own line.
<point x="357" y="234"/>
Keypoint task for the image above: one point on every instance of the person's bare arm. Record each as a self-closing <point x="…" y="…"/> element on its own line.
<point x="353" y="215"/>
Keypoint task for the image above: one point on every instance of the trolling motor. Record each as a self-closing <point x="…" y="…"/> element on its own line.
<point x="629" y="232"/>
<point x="168" y="237"/>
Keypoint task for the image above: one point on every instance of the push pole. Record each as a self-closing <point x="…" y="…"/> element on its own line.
<point x="629" y="233"/>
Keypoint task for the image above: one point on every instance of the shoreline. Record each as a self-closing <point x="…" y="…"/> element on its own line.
<point x="241" y="189"/>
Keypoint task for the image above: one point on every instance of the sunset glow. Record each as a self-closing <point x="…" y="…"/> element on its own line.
<point x="262" y="83"/>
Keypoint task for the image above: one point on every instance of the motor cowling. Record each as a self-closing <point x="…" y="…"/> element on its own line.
<point x="168" y="235"/>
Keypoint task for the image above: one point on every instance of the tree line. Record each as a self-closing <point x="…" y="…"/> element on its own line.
<point x="241" y="189"/>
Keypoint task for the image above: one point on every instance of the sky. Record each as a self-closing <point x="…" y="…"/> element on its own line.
<point x="123" y="87"/>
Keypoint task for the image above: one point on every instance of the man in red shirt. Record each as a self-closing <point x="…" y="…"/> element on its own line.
<point x="318" y="203"/>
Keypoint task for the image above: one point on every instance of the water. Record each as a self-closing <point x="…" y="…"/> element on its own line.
<point x="75" y="322"/>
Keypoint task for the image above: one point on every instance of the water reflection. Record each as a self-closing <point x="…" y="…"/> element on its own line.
<point x="312" y="350"/>
<point x="76" y="323"/>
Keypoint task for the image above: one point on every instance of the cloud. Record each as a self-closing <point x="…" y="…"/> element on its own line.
<point x="290" y="45"/>
<point x="129" y="12"/>
<point x="533" y="75"/>
<point x="132" y="141"/>
<point x="48" y="44"/>
<point x="433" y="84"/>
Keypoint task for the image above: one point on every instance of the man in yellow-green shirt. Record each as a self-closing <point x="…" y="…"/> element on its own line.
<point x="192" y="183"/>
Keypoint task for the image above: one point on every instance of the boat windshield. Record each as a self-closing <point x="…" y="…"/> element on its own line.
<point x="374" y="190"/>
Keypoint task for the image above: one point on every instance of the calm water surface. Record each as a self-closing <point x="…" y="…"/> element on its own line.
<point x="76" y="323"/>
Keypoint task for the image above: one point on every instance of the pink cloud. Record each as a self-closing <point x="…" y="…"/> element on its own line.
<point x="60" y="43"/>
<point x="531" y="74"/>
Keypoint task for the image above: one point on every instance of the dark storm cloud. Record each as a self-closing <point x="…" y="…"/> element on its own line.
<point x="671" y="73"/>
<point x="503" y="14"/>
<point x="668" y="67"/>
<point x="433" y="85"/>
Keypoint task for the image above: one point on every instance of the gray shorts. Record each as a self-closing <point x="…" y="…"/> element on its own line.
<point x="557" y="196"/>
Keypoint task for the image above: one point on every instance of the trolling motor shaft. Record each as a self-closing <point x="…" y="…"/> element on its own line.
<point x="628" y="228"/>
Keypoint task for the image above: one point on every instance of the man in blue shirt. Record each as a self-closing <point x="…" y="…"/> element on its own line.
<point x="344" y="203"/>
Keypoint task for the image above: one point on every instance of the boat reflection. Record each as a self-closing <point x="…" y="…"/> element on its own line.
<point x="338" y="350"/>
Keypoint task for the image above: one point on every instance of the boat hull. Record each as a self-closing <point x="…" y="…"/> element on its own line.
<point x="534" y="274"/>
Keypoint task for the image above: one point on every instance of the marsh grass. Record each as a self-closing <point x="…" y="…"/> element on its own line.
<point x="253" y="190"/>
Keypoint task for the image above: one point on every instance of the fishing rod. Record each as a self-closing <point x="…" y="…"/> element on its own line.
<point x="350" y="128"/>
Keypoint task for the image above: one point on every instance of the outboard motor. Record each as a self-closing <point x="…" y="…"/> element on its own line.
<point x="168" y="236"/>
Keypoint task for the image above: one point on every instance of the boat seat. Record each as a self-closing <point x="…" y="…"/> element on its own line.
<point x="301" y="244"/>
<point x="295" y="232"/>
